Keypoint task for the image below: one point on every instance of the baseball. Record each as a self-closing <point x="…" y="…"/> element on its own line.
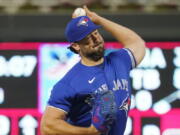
<point x="79" y="12"/>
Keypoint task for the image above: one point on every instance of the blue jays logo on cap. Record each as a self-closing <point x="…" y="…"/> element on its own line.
<point x="78" y="28"/>
<point x="83" y="21"/>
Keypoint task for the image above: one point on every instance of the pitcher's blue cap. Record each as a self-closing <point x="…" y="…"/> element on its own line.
<point x="78" y="28"/>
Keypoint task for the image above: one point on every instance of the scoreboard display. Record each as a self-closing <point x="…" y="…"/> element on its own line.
<point x="18" y="71"/>
<point x="28" y="72"/>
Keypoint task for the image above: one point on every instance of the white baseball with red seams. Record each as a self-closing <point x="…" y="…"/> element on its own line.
<point x="79" y="12"/>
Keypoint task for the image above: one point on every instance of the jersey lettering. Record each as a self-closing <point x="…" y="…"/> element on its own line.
<point x="103" y="87"/>
<point x="121" y="84"/>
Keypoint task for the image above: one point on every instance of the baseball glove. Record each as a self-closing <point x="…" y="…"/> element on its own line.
<point x="104" y="110"/>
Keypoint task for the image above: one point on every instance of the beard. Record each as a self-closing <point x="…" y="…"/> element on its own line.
<point x="95" y="55"/>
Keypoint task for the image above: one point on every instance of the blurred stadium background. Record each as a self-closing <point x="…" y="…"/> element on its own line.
<point x="45" y="20"/>
<point x="33" y="56"/>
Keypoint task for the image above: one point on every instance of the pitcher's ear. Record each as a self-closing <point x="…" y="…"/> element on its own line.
<point x="75" y="48"/>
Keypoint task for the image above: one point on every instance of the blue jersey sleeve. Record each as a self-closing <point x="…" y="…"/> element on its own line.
<point x="61" y="97"/>
<point x="126" y="56"/>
